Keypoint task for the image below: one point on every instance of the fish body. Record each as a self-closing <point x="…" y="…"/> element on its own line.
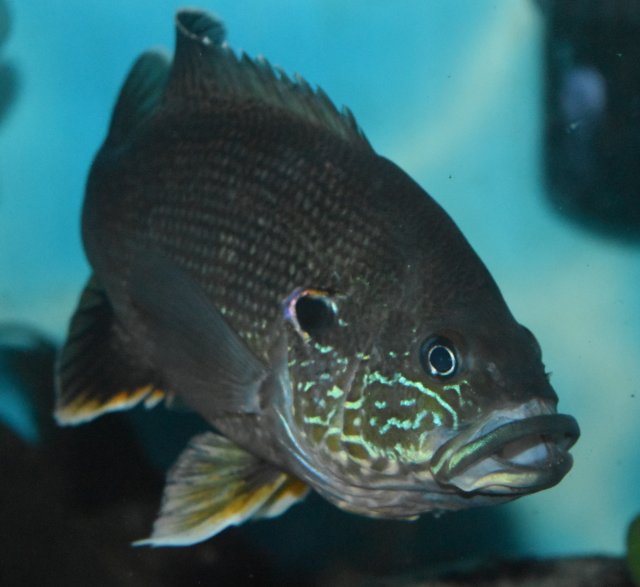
<point x="255" y="258"/>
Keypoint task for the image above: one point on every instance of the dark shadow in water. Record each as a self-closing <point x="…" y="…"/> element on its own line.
<point x="8" y="89"/>
<point x="26" y="378"/>
<point x="71" y="505"/>
<point x="316" y="540"/>
<point x="4" y="22"/>
<point x="8" y="74"/>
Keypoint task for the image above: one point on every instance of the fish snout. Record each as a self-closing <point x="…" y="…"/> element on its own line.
<point x="514" y="457"/>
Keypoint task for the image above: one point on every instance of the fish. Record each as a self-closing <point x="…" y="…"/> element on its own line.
<point x="255" y="260"/>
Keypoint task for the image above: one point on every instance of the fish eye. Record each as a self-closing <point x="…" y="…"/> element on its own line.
<point x="438" y="357"/>
<point x="312" y="312"/>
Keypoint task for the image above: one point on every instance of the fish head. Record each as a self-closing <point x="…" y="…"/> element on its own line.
<point x="503" y="437"/>
<point x="436" y="408"/>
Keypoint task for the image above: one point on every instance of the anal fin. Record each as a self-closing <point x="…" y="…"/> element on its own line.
<point x="290" y="492"/>
<point x="216" y="484"/>
<point x="95" y="374"/>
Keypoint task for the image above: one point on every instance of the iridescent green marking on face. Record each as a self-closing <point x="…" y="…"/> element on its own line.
<point x="316" y="421"/>
<point x="320" y="402"/>
<point x="367" y="450"/>
<point x="333" y="443"/>
<point x="391" y="427"/>
<point x="351" y="423"/>
<point x="394" y="422"/>
<point x="410" y="454"/>
<point x="457" y="388"/>
<point x="358" y="452"/>
<point x="399" y="379"/>
<point x="335" y="392"/>
<point x="324" y="420"/>
<point x="354" y="405"/>
<point x="364" y="424"/>
<point x="364" y="438"/>
<point x="319" y="405"/>
<point x="323" y="349"/>
<point x="353" y="441"/>
<point x="405" y="424"/>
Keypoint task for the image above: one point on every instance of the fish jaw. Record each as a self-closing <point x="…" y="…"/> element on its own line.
<point x="514" y="452"/>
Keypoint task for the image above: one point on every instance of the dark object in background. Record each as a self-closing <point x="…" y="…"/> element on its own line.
<point x="633" y="549"/>
<point x="72" y="502"/>
<point x="592" y="134"/>
<point x="49" y="537"/>
<point x="8" y="75"/>
<point x="26" y="379"/>
<point x="593" y="571"/>
<point x="4" y="22"/>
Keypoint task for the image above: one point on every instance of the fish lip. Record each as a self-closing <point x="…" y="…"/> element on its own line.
<point x="472" y="462"/>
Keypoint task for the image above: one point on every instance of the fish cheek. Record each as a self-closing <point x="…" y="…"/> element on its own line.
<point x="473" y="396"/>
<point x="395" y="423"/>
<point x="407" y="415"/>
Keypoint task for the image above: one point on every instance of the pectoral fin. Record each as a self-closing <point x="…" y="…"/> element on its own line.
<point x="216" y="484"/>
<point x="199" y="353"/>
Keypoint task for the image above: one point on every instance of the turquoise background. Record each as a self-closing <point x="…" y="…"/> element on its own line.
<point x="451" y="90"/>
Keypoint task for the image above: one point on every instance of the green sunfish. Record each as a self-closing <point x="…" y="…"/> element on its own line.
<point x="254" y="259"/>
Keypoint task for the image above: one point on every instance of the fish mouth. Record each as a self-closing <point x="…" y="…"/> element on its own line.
<point x="521" y="456"/>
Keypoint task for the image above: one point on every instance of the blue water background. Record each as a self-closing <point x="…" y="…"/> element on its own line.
<point x="451" y="90"/>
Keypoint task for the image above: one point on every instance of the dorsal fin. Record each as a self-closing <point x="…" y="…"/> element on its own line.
<point x="140" y="94"/>
<point x="204" y="67"/>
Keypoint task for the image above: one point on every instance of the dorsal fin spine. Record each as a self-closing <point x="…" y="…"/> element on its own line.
<point x="140" y="95"/>
<point x="204" y="67"/>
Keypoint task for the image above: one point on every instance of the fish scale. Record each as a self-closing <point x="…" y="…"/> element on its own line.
<point x="174" y="225"/>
